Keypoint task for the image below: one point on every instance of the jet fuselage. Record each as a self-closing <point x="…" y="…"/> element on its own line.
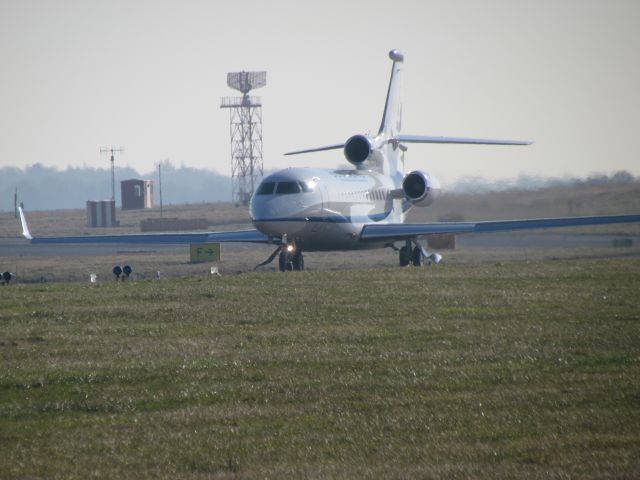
<point x="324" y="209"/>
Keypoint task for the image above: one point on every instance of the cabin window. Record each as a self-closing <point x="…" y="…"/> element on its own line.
<point x="288" y="187"/>
<point x="266" y="188"/>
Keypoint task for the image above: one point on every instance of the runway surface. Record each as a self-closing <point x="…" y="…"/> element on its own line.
<point x="16" y="247"/>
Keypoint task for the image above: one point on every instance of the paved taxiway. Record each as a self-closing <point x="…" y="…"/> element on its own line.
<point x="16" y="247"/>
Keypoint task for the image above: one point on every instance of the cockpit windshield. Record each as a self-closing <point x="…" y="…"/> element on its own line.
<point x="288" y="187"/>
<point x="266" y="188"/>
<point x="283" y="188"/>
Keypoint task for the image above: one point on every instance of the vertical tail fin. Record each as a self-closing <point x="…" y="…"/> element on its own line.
<point x="391" y="124"/>
<point x="392" y="116"/>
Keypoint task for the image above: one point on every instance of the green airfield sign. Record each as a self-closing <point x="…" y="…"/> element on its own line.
<point x="205" y="252"/>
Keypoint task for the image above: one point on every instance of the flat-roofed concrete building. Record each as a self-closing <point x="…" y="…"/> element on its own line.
<point x="101" y="213"/>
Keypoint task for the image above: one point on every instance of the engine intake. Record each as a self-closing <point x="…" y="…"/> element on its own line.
<point x="420" y="188"/>
<point x="357" y="149"/>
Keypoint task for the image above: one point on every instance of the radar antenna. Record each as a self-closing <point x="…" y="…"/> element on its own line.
<point x="246" y="134"/>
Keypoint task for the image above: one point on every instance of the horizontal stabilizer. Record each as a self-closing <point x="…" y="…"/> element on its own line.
<point x="459" y="140"/>
<point x="424" y="139"/>
<point x="319" y="149"/>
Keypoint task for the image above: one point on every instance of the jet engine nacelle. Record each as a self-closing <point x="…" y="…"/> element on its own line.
<point x="358" y="149"/>
<point x="420" y="188"/>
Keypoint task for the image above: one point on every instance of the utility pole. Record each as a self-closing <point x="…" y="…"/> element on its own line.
<point x="15" y="202"/>
<point x="112" y="151"/>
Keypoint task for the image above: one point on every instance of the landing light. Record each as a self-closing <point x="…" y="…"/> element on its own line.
<point x="289" y="248"/>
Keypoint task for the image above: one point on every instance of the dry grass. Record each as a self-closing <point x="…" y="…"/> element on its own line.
<point x="550" y="202"/>
<point x="73" y="222"/>
<point x="490" y="370"/>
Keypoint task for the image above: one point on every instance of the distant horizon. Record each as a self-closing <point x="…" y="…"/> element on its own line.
<point x="154" y="172"/>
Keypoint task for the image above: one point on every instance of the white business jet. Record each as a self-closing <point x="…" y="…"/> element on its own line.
<point x="310" y="209"/>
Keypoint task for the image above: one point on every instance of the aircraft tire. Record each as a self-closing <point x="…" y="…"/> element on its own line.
<point x="405" y="256"/>
<point x="416" y="257"/>
<point x="284" y="261"/>
<point x="298" y="261"/>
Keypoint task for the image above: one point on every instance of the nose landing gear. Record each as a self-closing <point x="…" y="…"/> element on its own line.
<point x="291" y="261"/>
<point x="289" y="257"/>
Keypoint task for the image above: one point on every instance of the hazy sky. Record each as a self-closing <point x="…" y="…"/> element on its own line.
<point x="148" y="75"/>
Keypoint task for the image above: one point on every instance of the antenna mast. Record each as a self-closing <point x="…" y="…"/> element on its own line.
<point x="246" y="134"/>
<point x="112" y="151"/>
<point x="160" y="183"/>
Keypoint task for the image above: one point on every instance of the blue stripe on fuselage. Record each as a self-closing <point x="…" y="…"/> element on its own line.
<point x="377" y="217"/>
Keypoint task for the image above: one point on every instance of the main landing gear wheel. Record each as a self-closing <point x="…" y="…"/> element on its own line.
<point x="405" y="256"/>
<point x="416" y="257"/>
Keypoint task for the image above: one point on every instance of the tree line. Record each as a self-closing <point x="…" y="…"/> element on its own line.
<point x="47" y="188"/>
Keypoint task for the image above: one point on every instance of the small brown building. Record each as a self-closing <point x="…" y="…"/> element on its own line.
<point x="136" y="194"/>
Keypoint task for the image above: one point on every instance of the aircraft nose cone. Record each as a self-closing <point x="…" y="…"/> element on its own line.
<point x="261" y="215"/>
<point x="257" y="209"/>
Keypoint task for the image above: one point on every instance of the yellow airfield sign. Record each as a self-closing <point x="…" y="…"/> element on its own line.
<point x="205" y="252"/>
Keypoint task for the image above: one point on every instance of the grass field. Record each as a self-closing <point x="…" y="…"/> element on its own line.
<point x="493" y="370"/>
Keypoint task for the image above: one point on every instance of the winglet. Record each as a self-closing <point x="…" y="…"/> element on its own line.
<point x="25" y="228"/>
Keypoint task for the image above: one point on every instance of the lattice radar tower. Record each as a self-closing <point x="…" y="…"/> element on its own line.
<point x="246" y="134"/>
